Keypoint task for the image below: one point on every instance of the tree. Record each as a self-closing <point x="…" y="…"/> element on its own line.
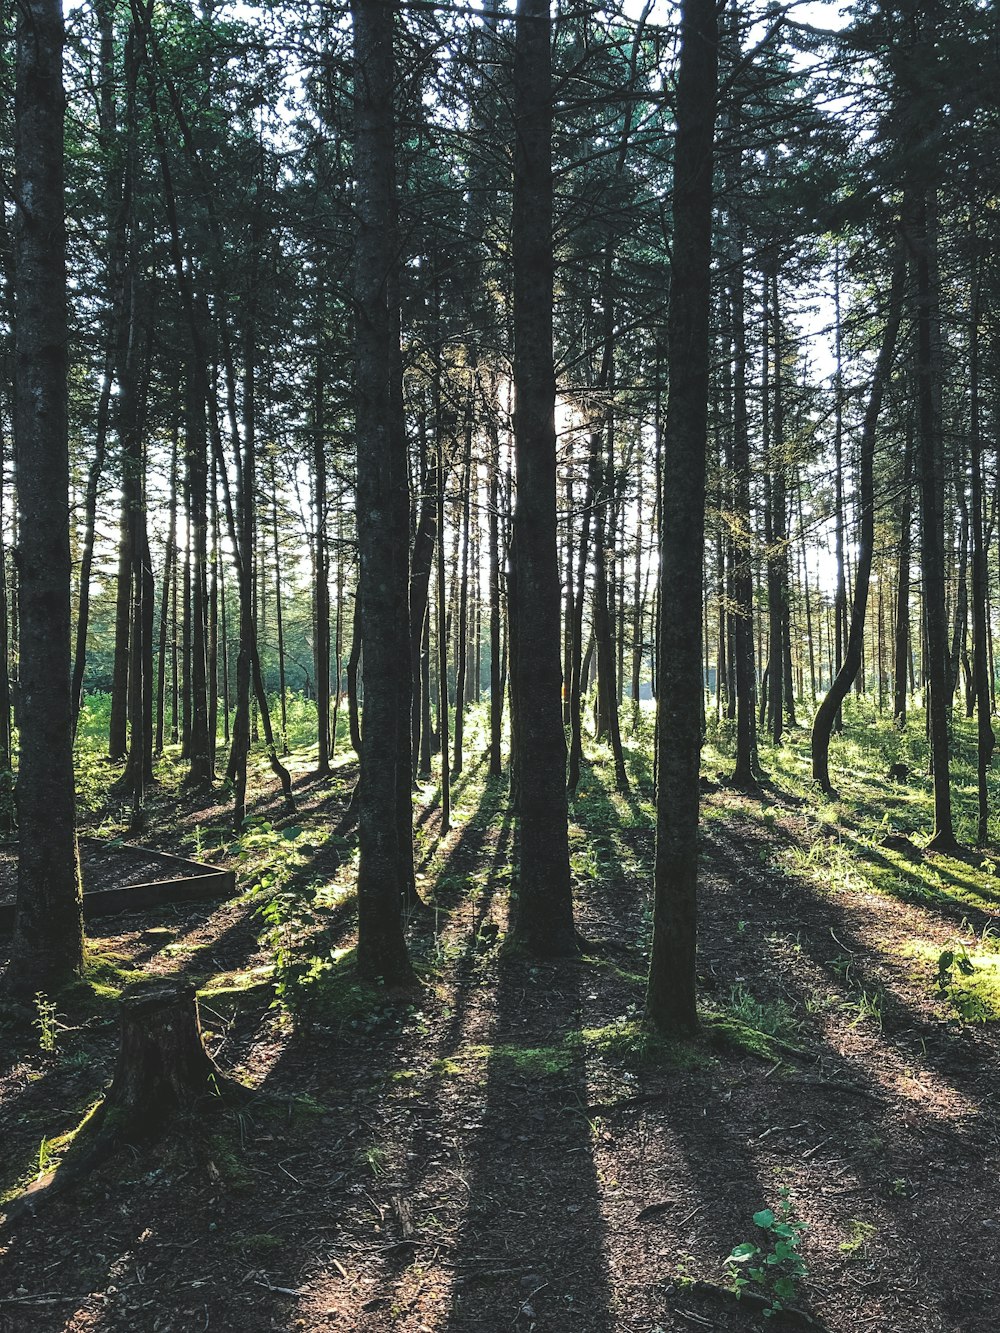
<point x="48" y="932"/>
<point x="544" y="911"/>
<point x="383" y="587"/>
<point x="829" y="709"/>
<point x="670" y="996"/>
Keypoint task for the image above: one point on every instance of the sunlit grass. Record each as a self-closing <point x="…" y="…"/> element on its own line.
<point x="871" y="837"/>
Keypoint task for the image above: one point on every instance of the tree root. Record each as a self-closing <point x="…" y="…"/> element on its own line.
<point x="789" y="1315"/>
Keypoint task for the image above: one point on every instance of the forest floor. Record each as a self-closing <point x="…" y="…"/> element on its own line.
<point x="508" y="1150"/>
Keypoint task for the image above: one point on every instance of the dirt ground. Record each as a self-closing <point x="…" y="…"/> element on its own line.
<point x="100" y="868"/>
<point x="487" y="1156"/>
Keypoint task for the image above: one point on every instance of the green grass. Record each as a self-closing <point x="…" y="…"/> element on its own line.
<point x="847" y="849"/>
<point x="768" y="1030"/>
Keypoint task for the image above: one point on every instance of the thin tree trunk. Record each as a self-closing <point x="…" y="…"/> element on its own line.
<point x="321" y="599"/>
<point x="461" y="664"/>
<point x="169" y="579"/>
<point x="442" y="642"/>
<point x="200" y="772"/>
<point x="827" y="712"/>
<point x="931" y="469"/>
<point x="986" y="740"/>
<point x="901" y="648"/>
<point x="279" y="617"/>
<point x="496" y="648"/>
<point x="421" y="564"/>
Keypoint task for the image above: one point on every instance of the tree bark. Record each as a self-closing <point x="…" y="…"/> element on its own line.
<point x="543" y="922"/>
<point x="901" y="638"/>
<point x="828" y="710"/>
<point x="931" y="471"/>
<point x="986" y="740"/>
<point x="670" y="997"/>
<point x="383" y="586"/>
<point x="47" y="945"/>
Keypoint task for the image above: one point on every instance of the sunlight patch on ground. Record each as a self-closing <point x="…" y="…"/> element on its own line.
<point x="965" y="976"/>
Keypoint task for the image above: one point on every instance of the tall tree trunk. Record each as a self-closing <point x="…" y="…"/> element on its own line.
<point x="321" y="618"/>
<point x="442" y="640"/>
<point x="578" y="676"/>
<point x="637" y="607"/>
<point x="279" y="614"/>
<point x="117" y="206"/>
<point x="353" y="665"/>
<point x="777" y="560"/>
<point x="132" y="369"/>
<point x="200" y="772"/>
<point x="215" y="631"/>
<point x="169" y="582"/>
<point x="603" y="629"/>
<point x="420" y="576"/>
<point x="931" y="470"/>
<point x="381" y="945"/>
<point x="118" y="723"/>
<point x="496" y="648"/>
<point x="670" y="996"/>
<point x="986" y="740"/>
<point x="826" y="714"/>
<point x="461" y="663"/>
<point x="544" y="909"/>
<point x="747" y="770"/>
<point x="840" y="590"/>
<point x="901" y="637"/>
<point x="47" y="946"/>
<point x="960" y="623"/>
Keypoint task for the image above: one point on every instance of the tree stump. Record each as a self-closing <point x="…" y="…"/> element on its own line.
<point x="163" y="1073"/>
<point x="163" y="1069"/>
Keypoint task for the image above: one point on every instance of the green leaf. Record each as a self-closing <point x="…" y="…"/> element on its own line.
<point x="764" y="1219"/>
<point x="744" y="1251"/>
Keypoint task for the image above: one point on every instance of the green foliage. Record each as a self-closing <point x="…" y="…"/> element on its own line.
<point x="44" y="1023"/>
<point x="773" y="1266"/>
<point x="861" y="1233"/>
<point x="290" y="922"/>
<point x="766" y="1029"/>
<point x="965" y="976"/>
<point x="47" y="1157"/>
<point x="951" y="962"/>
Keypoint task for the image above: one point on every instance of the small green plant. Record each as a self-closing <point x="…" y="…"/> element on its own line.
<point x="46" y="1157"/>
<point x="860" y="1233"/>
<point x="774" y="1266"/>
<point x="949" y="962"/>
<point x="375" y="1159"/>
<point x="684" y="1272"/>
<point x="869" y="1005"/>
<point x="44" y="1022"/>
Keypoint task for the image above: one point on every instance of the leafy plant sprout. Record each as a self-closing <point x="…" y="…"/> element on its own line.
<point x="44" y="1022"/>
<point x="775" y="1265"/>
